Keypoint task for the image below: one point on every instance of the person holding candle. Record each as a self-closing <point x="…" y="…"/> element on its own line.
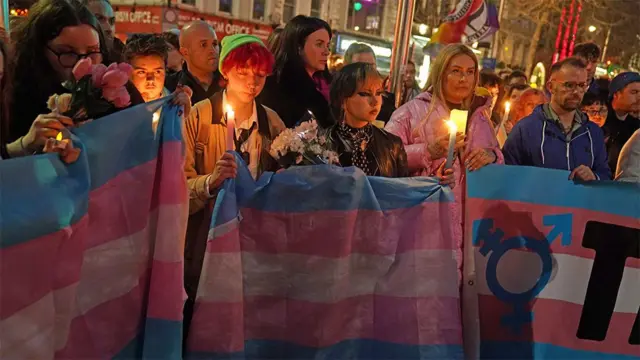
<point x="557" y="135"/>
<point x="421" y="124"/>
<point x="245" y="63"/>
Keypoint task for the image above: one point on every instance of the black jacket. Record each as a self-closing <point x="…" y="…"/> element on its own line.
<point x="388" y="107"/>
<point x="386" y="150"/>
<point x="184" y="77"/>
<point x="292" y="95"/>
<point x="616" y="134"/>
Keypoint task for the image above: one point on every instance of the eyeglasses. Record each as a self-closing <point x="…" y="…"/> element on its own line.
<point x="573" y="86"/>
<point x="595" y="112"/>
<point x="69" y="59"/>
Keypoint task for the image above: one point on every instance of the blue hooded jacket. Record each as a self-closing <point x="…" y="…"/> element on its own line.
<point x="539" y="141"/>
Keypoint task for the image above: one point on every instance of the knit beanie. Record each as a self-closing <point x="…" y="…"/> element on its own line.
<point x="621" y="81"/>
<point x="231" y="42"/>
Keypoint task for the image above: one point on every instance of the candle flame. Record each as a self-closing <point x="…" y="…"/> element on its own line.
<point x="507" y="106"/>
<point x="59" y="136"/>
<point x="228" y="110"/>
<point x="452" y="126"/>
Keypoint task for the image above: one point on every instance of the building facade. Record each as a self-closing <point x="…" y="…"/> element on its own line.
<point x="372" y="17"/>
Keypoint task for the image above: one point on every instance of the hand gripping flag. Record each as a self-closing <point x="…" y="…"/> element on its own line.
<point x="91" y="253"/>
<point x="557" y="265"/>
<point x="323" y="262"/>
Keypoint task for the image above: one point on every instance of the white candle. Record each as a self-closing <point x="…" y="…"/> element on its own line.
<point x="231" y="127"/>
<point x="459" y="118"/>
<point x="505" y="117"/>
<point x="453" y="129"/>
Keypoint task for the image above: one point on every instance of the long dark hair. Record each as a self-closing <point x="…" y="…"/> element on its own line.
<point x="345" y="84"/>
<point x="4" y="88"/>
<point x="32" y="76"/>
<point x="291" y="43"/>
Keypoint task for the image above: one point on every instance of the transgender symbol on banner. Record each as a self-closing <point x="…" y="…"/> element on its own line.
<point x="558" y="265"/>
<point x="492" y="242"/>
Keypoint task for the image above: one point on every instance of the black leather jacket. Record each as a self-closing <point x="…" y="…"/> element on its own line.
<point x="385" y="148"/>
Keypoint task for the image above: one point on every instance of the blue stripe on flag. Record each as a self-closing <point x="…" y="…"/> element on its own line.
<point x="40" y="195"/>
<point x="124" y="140"/>
<point x="349" y="349"/>
<point x="550" y="187"/>
<point x="340" y="189"/>
<point x="161" y="339"/>
<point x="509" y="350"/>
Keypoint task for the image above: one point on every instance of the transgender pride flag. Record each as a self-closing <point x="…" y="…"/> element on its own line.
<point x="321" y="262"/>
<point x="557" y="264"/>
<point x="91" y="253"/>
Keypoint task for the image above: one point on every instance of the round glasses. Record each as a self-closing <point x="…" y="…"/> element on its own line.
<point x="69" y="59"/>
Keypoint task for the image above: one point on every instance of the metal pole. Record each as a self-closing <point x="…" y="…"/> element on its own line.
<point x="606" y="44"/>
<point x="404" y="22"/>
<point x="496" y="39"/>
<point x="5" y="15"/>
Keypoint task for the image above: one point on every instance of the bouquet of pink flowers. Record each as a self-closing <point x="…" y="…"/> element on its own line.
<point x="303" y="145"/>
<point x="96" y="91"/>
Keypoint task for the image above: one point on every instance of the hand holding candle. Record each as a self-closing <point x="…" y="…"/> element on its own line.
<point x="230" y="117"/>
<point x="505" y="117"/>
<point x="453" y="129"/>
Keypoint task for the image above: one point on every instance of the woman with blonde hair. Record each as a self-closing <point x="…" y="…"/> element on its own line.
<point x="420" y="124"/>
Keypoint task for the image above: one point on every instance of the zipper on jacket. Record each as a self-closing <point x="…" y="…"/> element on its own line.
<point x="568" y="165"/>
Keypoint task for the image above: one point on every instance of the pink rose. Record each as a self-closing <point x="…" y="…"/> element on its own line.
<point x="118" y="96"/>
<point x="113" y="66"/>
<point x="82" y="68"/>
<point x="125" y="68"/>
<point x="97" y="74"/>
<point x="115" y="78"/>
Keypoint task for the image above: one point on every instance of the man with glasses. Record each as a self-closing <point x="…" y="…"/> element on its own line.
<point x="624" y="94"/>
<point x="199" y="47"/>
<point x="557" y="135"/>
<point x="589" y="53"/>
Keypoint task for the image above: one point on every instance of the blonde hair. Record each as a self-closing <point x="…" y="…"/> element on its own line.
<point x="435" y="82"/>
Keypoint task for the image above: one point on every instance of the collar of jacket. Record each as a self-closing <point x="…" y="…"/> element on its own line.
<point x="580" y="118"/>
<point x="217" y="114"/>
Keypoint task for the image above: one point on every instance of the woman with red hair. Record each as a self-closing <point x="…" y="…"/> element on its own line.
<point x="245" y="63"/>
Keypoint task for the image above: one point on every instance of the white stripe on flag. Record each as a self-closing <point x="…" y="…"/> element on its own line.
<point x="422" y="273"/>
<point x="518" y="271"/>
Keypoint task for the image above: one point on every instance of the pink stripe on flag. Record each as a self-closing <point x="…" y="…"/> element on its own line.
<point x="107" y="328"/>
<point x="411" y="321"/>
<point x="526" y="219"/>
<point x="32" y="269"/>
<point x="555" y="322"/>
<point x="166" y="291"/>
<point x="174" y="183"/>
<point x="355" y="231"/>
<point x="119" y="208"/>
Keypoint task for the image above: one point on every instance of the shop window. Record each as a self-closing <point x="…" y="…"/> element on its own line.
<point x="288" y="10"/>
<point x="316" y="8"/>
<point x="259" y="7"/>
<point x="225" y="6"/>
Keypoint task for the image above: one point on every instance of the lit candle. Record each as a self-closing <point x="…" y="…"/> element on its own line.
<point x="505" y="117"/>
<point x="453" y="129"/>
<point x="231" y="127"/>
<point x="59" y="136"/>
<point x="459" y="118"/>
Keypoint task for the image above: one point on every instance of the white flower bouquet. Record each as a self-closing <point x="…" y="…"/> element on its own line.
<point x="303" y="145"/>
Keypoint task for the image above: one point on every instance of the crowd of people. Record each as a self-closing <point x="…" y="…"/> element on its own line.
<point x="577" y="123"/>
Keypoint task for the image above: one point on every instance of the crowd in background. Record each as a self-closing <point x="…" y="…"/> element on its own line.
<point x="576" y="123"/>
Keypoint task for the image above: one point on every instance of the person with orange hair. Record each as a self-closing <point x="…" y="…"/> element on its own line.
<point x="245" y="63"/>
<point x="524" y="105"/>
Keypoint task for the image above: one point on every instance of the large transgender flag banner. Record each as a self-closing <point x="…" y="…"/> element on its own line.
<point x="321" y="262"/>
<point x="91" y="253"/>
<point x="557" y="265"/>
